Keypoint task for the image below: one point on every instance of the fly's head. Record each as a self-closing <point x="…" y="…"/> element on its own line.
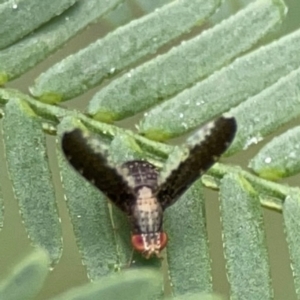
<point x="147" y="217"/>
<point x="149" y="244"/>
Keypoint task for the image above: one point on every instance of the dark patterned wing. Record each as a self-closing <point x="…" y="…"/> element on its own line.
<point x="85" y="155"/>
<point x="204" y="149"/>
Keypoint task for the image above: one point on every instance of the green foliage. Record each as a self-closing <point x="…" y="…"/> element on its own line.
<point x="188" y="85"/>
<point x="244" y="241"/>
<point x="188" y="254"/>
<point x="184" y="65"/>
<point x="226" y="88"/>
<point x="26" y="16"/>
<point x="33" y="186"/>
<point x="279" y="158"/>
<point x="98" y="60"/>
<point x="27" y="278"/>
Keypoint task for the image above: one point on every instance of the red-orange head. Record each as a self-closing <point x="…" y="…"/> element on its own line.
<point x="149" y="244"/>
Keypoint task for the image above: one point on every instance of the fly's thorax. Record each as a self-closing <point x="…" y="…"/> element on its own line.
<point x="147" y="218"/>
<point x="139" y="174"/>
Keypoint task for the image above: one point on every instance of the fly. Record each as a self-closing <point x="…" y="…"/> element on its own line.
<point x="138" y="188"/>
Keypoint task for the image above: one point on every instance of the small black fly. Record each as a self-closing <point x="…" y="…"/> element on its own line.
<point x="138" y="188"/>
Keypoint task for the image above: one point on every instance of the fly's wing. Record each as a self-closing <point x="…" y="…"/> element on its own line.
<point x="204" y="149"/>
<point x="84" y="153"/>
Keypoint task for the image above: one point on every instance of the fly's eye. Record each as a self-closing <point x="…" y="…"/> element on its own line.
<point x="138" y="243"/>
<point x="163" y="240"/>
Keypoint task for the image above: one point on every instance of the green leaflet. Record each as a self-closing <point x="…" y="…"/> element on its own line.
<point x="128" y="285"/>
<point x="198" y="296"/>
<point x="244" y="241"/>
<point x="186" y="64"/>
<point x="120" y="48"/>
<point x="280" y="157"/>
<point x="124" y="148"/>
<point x="264" y="113"/>
<point x="22" y="17"/>
<point x="22" y="56"/>
<point x="29" y="171"/>
<point x="291" y="212"/>
<point x="245" y="77"/>
<point x="187" y="249"/>
<point x="27" y="278"/>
